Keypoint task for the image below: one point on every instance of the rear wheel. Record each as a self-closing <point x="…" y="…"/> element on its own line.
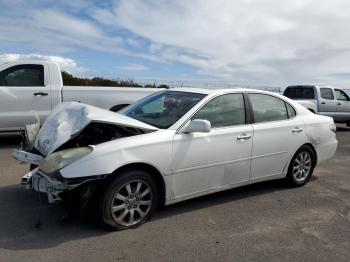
<point x="301" y="166"/>
<point x="129" y="200"/>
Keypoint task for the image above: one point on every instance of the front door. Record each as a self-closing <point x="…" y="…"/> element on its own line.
<point x="343" y="105"/>
<point x="208" y="161"/>
<point x="327" y="103"/>
<point x="23" y="95"/>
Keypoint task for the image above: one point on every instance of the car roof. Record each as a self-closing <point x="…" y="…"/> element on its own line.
<point x="218" y="91"/>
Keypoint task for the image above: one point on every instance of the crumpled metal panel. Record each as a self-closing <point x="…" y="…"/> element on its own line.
<point x="69" y="119"/>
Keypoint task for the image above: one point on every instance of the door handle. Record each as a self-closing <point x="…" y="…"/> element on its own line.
<point x="297" y="130"/>
<point x="243" y="137"/>
<point x="323" y="103"/>
<point x="339" y="104"/>
<point x="40" y="94"/>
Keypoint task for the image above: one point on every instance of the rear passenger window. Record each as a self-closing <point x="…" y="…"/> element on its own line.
<point x="23" y="75"/>
<point x="267" y="108"/>
<point x="225" y="110"/>
<point x="327" y="93"/>
<point x="290" y="110"/>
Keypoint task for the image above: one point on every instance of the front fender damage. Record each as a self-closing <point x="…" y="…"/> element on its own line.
<point x="53" y="185"/>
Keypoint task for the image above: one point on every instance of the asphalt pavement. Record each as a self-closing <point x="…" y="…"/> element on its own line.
<point x="261" y="222"/>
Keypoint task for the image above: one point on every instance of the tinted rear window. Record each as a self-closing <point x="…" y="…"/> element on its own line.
<point x="300" y="92"/>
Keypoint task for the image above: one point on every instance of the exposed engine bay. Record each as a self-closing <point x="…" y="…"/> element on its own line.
<point x="96" y="133"/>
<point x="67" y="135"/>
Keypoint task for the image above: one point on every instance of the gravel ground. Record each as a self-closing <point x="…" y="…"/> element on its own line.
<point x="262" y="222"/>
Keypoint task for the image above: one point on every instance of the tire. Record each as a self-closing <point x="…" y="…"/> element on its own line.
<point x="301" y="167"/>
<point x="134" y="196"/>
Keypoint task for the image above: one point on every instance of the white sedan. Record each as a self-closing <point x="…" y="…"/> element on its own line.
<point x="172" y="146"/>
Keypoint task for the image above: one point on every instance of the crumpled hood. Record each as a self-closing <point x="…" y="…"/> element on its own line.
<point x="70" y="118"/>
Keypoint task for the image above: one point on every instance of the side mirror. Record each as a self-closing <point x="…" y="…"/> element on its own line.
<point x="198" y="125"/>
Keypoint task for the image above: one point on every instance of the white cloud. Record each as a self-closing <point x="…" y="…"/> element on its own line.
<point x="134" y="67"/>
<point x="265" y="42"/>
<point x="257" y="42"/>
<point x="65" y="64"/>
<point x="53" y="29"/>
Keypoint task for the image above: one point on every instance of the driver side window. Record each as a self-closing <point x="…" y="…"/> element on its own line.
<point x="224" y="110"/>
<point x="341" y="95"/>
<point x="23" y="75"/>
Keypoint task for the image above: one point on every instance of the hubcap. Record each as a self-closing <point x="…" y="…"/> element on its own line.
<point x="131" y="202"/>
<point x="302" y="166"/>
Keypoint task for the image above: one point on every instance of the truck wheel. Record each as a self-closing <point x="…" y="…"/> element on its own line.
<point x="301" y="167"/>
<point x="130" y="200"/>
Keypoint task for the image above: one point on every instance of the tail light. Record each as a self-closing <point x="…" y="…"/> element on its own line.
<point x="333" y="128"/>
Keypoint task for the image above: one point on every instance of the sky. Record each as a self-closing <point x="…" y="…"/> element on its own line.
<point x="248" y="42"/>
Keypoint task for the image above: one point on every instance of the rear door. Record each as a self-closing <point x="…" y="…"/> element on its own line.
<point x="327" y="102"/>
<point x="24" y="92"/>
<point x="278" y="133"/>
<point x="343" y="105"/>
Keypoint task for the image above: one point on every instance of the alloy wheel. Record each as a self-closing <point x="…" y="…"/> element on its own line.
<point x="132" y="202"/>
<point x="302" y="166"/>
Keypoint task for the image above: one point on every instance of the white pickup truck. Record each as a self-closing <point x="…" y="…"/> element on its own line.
<point x="323" y="100"/>
<point x="30" y="88"/>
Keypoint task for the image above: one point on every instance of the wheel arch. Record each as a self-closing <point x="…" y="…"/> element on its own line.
<point x="150" y="169"/>
<point x="313" y="150"/>
<point x="306" y="144"/>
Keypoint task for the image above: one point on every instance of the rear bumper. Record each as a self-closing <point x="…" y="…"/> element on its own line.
<point x="326" y="151"/>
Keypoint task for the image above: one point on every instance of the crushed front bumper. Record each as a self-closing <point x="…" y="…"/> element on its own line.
<point x="40" y="182"/>
<point x="53" y="185"/>
<point x="27" y="157"/>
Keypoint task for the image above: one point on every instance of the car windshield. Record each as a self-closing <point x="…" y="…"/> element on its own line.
<point x="163" y="109"/>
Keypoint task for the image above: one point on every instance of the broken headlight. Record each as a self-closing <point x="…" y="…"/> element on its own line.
<point x="61" y="159"/>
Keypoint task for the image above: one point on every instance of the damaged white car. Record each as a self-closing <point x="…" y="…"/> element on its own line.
<point x="172" y="146"/>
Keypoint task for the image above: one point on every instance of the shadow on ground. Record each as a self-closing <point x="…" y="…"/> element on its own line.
<point x="9" y="140"/>
<point x="20" y="210"/>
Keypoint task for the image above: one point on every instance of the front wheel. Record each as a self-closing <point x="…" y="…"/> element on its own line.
<point x="301" y="166"/>
<point x="129" y="200"/>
